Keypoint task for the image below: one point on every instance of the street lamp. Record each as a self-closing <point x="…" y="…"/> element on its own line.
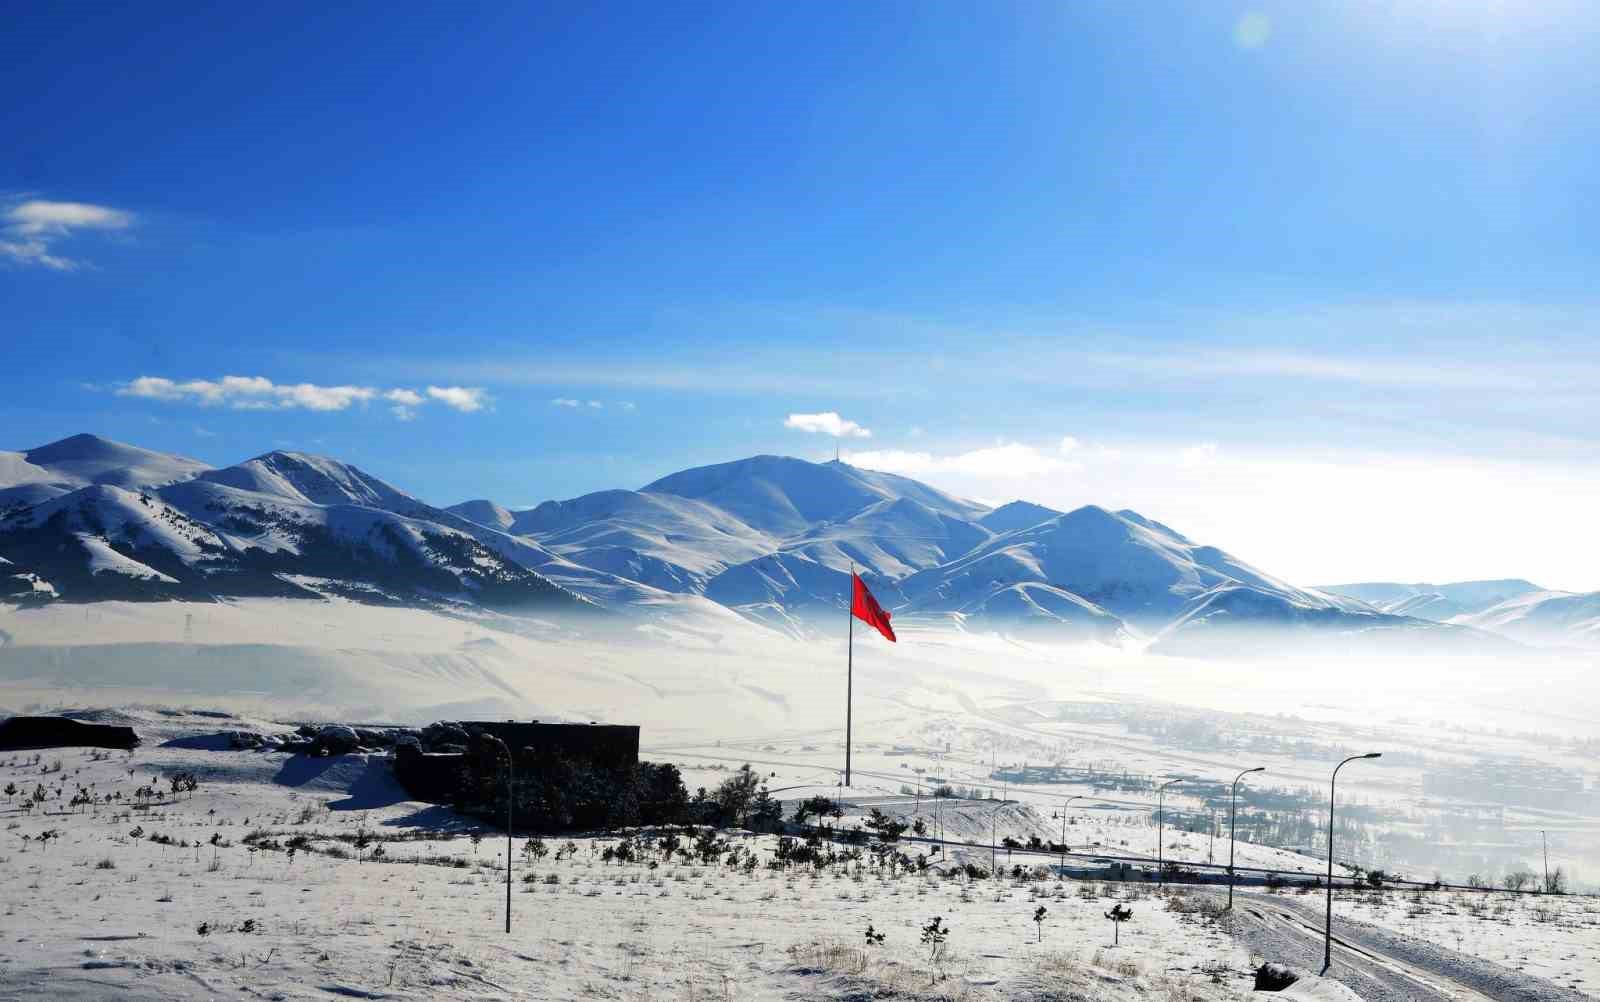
<point x="1546" y="859"/>
<point x="1064" y="806"/>
<point x="1233" y="825"/>
<point x="1161" y="828"/>
<point x="510" y="803"/>
<point x="994" y="829"/>
<point x="1327" y="929"/>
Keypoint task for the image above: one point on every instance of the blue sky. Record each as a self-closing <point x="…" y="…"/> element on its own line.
<point x="1247" y="267"/>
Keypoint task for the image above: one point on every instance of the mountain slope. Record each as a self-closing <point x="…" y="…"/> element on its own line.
<point x="782" y="495"/>
<point x="1543" y="618"/>
<point x="1016" y="515"/>
<point x="283" y="524"/>
<point x="1121" y="562"/>
<point x="49" y="471"/>
<point x="485" y="513"/>
<point x="1437" y="602"/>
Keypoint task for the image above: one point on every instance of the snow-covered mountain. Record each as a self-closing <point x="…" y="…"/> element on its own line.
<point x="771" y="538"/>
<point x="1438" y="602"/>
<point x="1543" y="618"/>
<point x="49" y="471"/>
<point x="282" y="524"/>
<point x="782" y="495"/>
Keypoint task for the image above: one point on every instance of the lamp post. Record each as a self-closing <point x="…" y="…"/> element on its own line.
<point x="1233" y="825"/>
<point x="1546" y="859"/>
<point x="1327" y="929"/>
<point x="994" y="829"/>
<point x="510" y="803"/>
<point x="1064" y="806"/>
<point x="1161" y="829"/>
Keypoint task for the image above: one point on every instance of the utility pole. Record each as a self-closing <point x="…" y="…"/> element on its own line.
<point x="1327" y="929"/>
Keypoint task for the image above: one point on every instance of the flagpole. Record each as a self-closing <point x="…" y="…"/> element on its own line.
<point x="849" y="669"/>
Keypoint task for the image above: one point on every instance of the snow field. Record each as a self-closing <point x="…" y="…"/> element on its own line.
<point x="1549" y="936"/>
<point x="104" y="909"/>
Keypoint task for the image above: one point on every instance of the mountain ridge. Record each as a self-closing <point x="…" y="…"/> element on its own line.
<point x="773" y="538"/>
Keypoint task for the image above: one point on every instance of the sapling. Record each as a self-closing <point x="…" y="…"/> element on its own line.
<point x="934" y="935"/>
<point x="1118" y="915"/>
<point x="874" y="937"/>
<point x="1038" y="921"/>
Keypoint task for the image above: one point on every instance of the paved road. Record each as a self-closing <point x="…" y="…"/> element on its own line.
<point x="1379" y="965"/>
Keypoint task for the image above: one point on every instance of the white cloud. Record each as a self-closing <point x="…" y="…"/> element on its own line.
<point x="1198" y="455"/>
<point x="627" y="405"/>
<point x="566" y="402"/>
<point x="596" y="404"/>
<point x="31" y="228"/>
<point x="466" y="399"/>
<point x="1006" y="459"/>
<point x="257" y="393"/>
<point x="1068" y="444"/>
<point x="826" y="423"/>
<point x="248" y="393"/>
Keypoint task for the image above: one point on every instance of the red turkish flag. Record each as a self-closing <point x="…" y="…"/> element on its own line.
<point x="866" y="608"/>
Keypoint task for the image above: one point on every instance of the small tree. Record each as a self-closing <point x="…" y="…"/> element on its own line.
<point x="475" y="837"/>
<point x="363" y="840"/>
<point x="1118" y="915"/>
<point x="533" y="850"/>
<point x="887" y="828"/>
<point x="934" y="935"/>
<point x="766" y="813"/>
<point x="1556" y="881"/>
<point x="736" y="794"/>
<point x="819" y="807"/>
<point x="874" y="937"/>
<point x="1038" y="921"/>
<point x="1516" y="880"/>
<point x="11" y="791"/>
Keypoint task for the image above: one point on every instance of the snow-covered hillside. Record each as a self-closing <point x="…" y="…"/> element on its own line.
<point x="49" y="471"/>
<point x="1543" y="618"/>
<point x="1438" y="602"/>
<point x="283" y="524"/>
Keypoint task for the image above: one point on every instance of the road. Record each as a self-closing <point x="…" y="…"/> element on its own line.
<point x="1379" y="965"/>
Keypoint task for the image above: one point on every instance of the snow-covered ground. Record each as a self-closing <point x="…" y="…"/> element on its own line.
<point x="100" y="909"/>
<point x="1553" y="937"/>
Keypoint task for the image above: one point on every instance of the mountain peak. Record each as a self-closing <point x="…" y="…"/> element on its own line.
<point x="92" y="459"/>
<point x="304" y="477"/>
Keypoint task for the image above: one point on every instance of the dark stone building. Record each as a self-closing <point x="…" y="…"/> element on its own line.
<point x="18" y="733"/>
<point x="437" y="775"/>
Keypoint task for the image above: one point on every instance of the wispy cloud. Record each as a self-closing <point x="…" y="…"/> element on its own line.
<point x="1003" y="460"/>
<point x="826" y="423"/>
<point x="31" y="229"/>
<point x="246" y="393"/>
<point x="572" y="403"/>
